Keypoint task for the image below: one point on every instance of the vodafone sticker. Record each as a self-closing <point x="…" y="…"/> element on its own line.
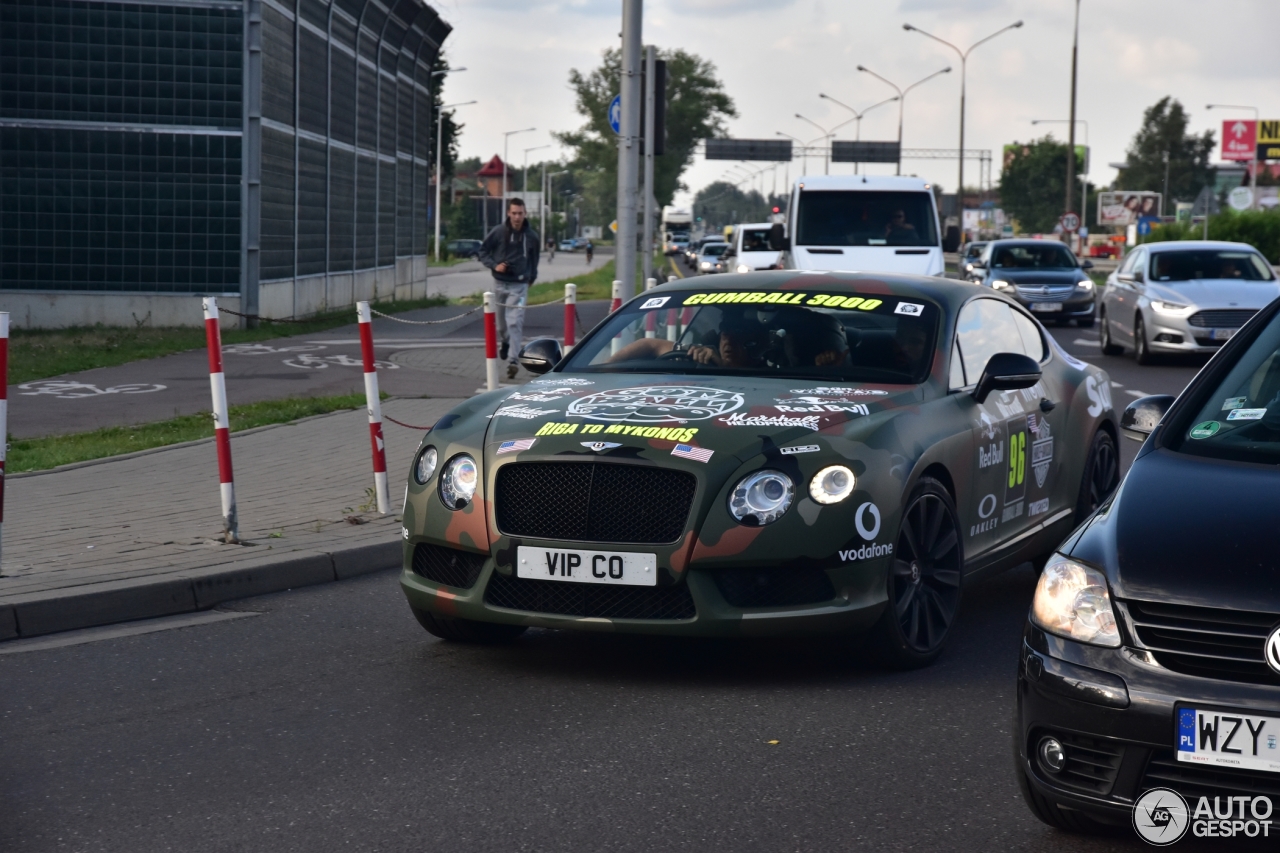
<point x="913" y="309"/>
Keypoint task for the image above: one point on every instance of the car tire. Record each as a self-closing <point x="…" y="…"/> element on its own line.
<point x="1109" y="347"/>
<point x="1101" y="475"/>
<point x="1141" y="349"/>
<point x="467" y="630"/>
<point x="1049" y="812"/>
<point x="923" y="583"/>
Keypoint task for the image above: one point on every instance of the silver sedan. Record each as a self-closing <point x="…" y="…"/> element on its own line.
<point x="1183" y="297"/>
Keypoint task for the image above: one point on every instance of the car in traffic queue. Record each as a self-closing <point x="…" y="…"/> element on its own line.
<point x="969" y="253"/>
<point x="573" y="244"/>
<point x="1182" y="297"/>
<point x="1151" y="655"/>
<point x="711" y="258"/>
<point x="464" y="248"/>
<point x="760" y="454"/>
<point x="677" y="243"/>
<point x="1043" y="275"/>
<point x="691" y="251"/>
<point x="750" y="250"/>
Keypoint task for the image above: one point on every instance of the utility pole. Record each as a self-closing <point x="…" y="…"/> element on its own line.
<point x="628" y="147"/>
<point x="650" y="79"/>
<point x="1071" y="133"/>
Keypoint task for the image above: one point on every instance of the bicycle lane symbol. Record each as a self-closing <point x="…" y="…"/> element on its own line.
<point x="64" y="389"/>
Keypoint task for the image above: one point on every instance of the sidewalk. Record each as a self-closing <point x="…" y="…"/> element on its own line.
<point x="470" y="278"/>
<point x="136" y="537"/>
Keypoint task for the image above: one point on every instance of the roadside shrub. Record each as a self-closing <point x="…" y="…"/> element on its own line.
<point x="1258" y="228"/>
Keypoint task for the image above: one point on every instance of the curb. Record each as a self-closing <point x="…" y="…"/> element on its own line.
<point x="186" y="591"/>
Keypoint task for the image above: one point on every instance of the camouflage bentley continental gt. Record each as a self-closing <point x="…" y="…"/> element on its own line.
<point x="778" y="452"/>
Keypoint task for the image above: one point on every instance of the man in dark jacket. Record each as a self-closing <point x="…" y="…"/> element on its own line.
<point x="511" y="251"/>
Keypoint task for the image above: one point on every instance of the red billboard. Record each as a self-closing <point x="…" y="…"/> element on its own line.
<point x="1239" y="139"/>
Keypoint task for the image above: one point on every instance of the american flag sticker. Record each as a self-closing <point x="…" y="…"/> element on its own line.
<point x="513" y="446"/>
<point x="688" y="451"/>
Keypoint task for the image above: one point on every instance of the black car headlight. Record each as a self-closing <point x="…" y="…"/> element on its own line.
<point x="831" y="485"/>
<point x="761" y="497"/>
<point x="424" y="466"/>
<point x="458" y="482"/>
<point x="1072" y="601"/>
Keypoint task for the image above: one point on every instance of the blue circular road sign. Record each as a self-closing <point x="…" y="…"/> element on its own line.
<point x="615" y="114"/>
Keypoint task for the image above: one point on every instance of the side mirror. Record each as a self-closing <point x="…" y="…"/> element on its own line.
<point x="539" y="356"/>
<point x="1139" y="276"/>
<point x="777" y="237"/>
<point x="1006" y="371"/>
<point x="1141" y="416"/>
<point x="1126" y="277"/>
<point x="951" y="241"/>
<point x="1086" y="264"/>
<point x="978" y="266"/>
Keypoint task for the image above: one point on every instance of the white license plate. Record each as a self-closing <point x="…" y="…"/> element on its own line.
<point x="1046" y="306"/>
<point x="1223" y="334"/>
<point x="1228" y="739"/>
<point x="624" y="568"/>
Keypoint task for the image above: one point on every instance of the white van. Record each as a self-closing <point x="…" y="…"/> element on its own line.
<point x="864" y="223"/>
<point x="751" y="250"/>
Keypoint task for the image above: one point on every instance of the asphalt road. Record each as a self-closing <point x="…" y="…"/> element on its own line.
<point x="331" y="721"/>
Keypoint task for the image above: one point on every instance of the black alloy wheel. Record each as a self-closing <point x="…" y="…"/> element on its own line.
<point x="924" y="580"/>
<point x="1101" y="475"/>
<point x="1109" y="347"/>
<point x="1141" y="350"/>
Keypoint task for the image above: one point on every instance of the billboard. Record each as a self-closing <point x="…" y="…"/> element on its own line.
<point x="1246" y="140"/>
<point x="1269" y="139"/>
<point x="846" y="151"/>
<point x="773" y="150"/>
<point x="1126" y="208"/>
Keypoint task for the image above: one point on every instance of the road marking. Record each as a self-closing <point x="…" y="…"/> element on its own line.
<point x="129" y="629"/>
<point x="401" y="343"/>
<point x="1132" y="393"/>
<point x="1085" y="342"/>
<point x="1115" y="384"/>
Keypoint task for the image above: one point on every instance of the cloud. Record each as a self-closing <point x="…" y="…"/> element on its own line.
<point x="970" y="7"/>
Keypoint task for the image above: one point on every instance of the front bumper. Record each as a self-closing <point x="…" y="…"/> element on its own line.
<point x="1173" y="334"/>
<point x="1114" y="710"/>
<point x="695" y="600"/>
<point x="1074" y="307"/>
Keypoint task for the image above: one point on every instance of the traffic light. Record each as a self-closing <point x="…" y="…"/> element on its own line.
<point x="777" y="209"/>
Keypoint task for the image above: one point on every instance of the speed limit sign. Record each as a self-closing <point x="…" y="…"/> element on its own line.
<point x="1070" y="222"/>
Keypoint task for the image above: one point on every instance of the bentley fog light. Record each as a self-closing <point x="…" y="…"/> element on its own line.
<point x="761" y="497"/>
<point x="1052" y="756"/>
<point x="831" y="485"/>
<point x="1072" y="601"/>
<point x="425" y="466"/>
<point x="458" y="482"/>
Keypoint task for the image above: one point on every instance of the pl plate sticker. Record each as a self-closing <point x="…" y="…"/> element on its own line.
<point x="655" y="404"/>
<point x="655" y="302"/>
<point x="912" y="309"/>
<point x="1246" y="414"/>
<point x="1234" y="403"/>
<point x="1206" y="429"/>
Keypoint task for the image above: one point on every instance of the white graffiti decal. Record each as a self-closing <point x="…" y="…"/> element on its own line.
<point x="829" y="391"/>
<point x="812" y="422"/>
<point x="320" y="362"/>
<point x="655" y="404"/>
<point x="562" y="381"/>
<point x="65" y="389"/>
<point x="263" y="349"/>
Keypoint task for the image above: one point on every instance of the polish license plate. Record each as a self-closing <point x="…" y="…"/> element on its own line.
<point x="1237" y="739"/>
<point x="1046" y="307"/>
<point x="1223" y="334"/>
<point x="624" y="568"/>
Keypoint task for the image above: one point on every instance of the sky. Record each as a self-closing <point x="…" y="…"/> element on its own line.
<point x="774" y="57"/>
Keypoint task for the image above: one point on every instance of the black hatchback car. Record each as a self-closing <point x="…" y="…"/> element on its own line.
<point x="1043" y="275"/>
<point x="1151" y="655"/>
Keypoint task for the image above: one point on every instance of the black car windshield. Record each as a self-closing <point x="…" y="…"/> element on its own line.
<point x="1047" y="256"/>
<point x="866" y="218"/>
<point x="755" y="240"/>
<point x="1240" y="417"/>
<point x="716" y="249"/>
<point x="839" y="337"/>
<point x="1189" y="265"/>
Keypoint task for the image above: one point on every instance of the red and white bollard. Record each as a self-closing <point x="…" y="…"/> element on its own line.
<point x="4" y="407"/>
<point x="221" y="421"/>
<point x="617" y="297"/>
<point x="490" y="344"/>
<point x="673" y="329"/>
<point x="570" y="314"/>
<point x="374" y="405"/>
<point x="650" y="283"/>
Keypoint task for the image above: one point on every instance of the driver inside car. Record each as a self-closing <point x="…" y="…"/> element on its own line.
<point x="738" y="346"/>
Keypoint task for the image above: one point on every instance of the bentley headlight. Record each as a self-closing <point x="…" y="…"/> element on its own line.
<point x="1001" y="284"/>
<point x="425" y="466"/>
<point x="1072" y="601"/>
<point x="458" y="482"/>
<point x="831" y="485"/>
<point x="761" y="497"/>
<point x="743" y="268"/>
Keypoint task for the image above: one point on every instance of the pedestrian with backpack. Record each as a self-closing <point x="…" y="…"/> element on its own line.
<point x="511" y="252"/>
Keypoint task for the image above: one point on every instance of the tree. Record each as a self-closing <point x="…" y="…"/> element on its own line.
<point x="1164" y="130"/>
<point x="697" y="107"/>
<point x="721" y="203"/>
<point x="1032" y="183"/>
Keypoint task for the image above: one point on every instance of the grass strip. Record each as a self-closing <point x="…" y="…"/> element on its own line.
<point x="41" y="353"/>
<point x="39" y="454"/>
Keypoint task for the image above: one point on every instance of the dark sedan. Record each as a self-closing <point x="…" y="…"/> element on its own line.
<point x="1043" y="275"/>
<point x="1151" y="656"/>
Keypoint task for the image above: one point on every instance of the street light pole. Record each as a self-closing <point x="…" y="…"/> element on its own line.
<point x="902" y="99"/>
<point x="439" y="171"/>
<point x="525" y="190"/>
<point x="551" y="178"/>
<point x="434" y="75"/>
<point x="1253" y="172"/>
<point x="1071" y="134"/>
<point x="506" y="137"/>
<point x="857" y="116"/>
<point x="827" y="135"/>
<point x="964" y="58"/>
